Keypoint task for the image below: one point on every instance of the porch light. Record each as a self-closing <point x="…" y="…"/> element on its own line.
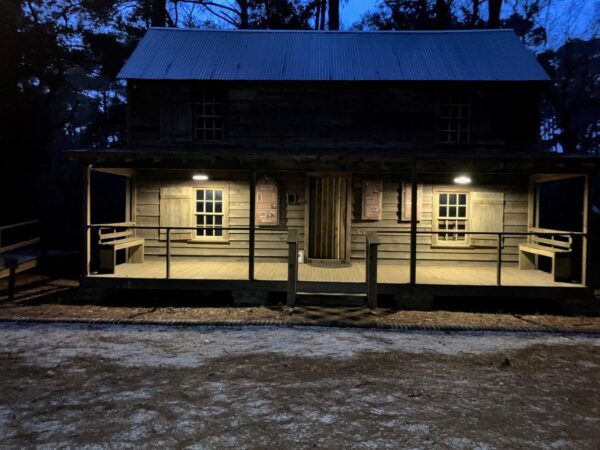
<point x="200" y="177"/>
<point x="463" y="179"/>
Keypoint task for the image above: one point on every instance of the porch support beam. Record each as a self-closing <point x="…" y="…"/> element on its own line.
<point x="121" y="171"/>
<point x="87" y="235"/>
<point x="586" y="260"/>
<point x="413" y="226"/>
<point x="252" y="230"/>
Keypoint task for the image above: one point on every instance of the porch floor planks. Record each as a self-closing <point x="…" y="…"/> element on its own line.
<point x="354" y="273"/>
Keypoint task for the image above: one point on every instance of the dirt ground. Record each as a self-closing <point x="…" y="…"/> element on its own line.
<point x="269" y="387"/>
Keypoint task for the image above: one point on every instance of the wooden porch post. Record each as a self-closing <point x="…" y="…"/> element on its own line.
<point x="586" y="260"/>
<point x="87" y="235"/>
<point x="292" y="284"/>
<point x="372" y="241"/>
<point x="252" y="231"/>
<point x="413" y="227"/>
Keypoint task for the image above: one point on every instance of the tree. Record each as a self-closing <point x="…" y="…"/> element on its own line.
<point x="159" y="13"/>
<point x="571" y="111"/>
<point x="494" y="9"/>
<point x="334" y="14"/>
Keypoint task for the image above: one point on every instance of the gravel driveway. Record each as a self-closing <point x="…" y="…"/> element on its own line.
<point x="269" y="387"/>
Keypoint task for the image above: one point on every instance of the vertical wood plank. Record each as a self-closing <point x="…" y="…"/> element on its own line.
<point x="413" y="227"/>
<point x="87" y="236"/>
<point x="168" y="271"/>
<point x="292" y="267"/>
<point x="348" y="223"/>
<point x="252" y="231"/>
<point x="586" y="260"/>
<point x="307" y="206"/>
<point x="342" y="219"/>
<point x="338" y="217"/>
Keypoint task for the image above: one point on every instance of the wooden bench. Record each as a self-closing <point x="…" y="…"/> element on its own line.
<point x="552" y="244"/>
<point x="114" y="237"/>
<point x="16" y="258"/>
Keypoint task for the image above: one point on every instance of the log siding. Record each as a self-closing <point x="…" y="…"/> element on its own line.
<point x="271" y="240"/>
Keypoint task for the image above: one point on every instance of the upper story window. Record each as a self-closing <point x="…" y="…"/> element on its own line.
<point x="455" y="118"/>
<point x="208" y="116"/>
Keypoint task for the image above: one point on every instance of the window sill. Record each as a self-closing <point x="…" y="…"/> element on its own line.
<point x="208" y="241"/>
<point x="461" y="246"/>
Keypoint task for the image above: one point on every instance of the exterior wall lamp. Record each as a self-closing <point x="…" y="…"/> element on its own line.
<point x="462" y="179"/>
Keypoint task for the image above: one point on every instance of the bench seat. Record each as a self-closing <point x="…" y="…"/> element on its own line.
<point x="559" y="253"/>
<point x="542" y="250"/>
<point x="20" y="261"/>
<point x="108" y="252"/>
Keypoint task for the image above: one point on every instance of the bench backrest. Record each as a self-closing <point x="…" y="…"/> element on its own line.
<point x="551" y="238"/>
<point x="23" y="235"/>
<point x="115" y="232"/>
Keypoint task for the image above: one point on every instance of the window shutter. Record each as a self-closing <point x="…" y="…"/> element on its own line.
<point x="487" y="214"/>
<point x="176" y="115"/>
<point x="176" y="211"/>
<point x="407" y="201"/>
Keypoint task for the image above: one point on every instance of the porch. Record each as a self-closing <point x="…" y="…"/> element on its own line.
<point x="360" y="233"/>
<point x="322" y="273"/>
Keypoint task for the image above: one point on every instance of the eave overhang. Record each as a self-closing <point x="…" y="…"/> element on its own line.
<point x="353" y="160"/>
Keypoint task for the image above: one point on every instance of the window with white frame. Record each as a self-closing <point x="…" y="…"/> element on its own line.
<point x="455" y="118"/>
<point x="208" y="116"/>
<point x="452" y="217"/>
<point x="209" y="212"/>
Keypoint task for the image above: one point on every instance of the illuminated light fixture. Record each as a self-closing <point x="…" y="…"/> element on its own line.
<point x="463" y="179"/>
<point x="200" y="177"/>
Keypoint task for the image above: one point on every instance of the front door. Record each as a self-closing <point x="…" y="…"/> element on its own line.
<point x="329" y="215"/>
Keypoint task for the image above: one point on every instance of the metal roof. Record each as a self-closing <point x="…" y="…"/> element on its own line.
<point x="473" y="55"/>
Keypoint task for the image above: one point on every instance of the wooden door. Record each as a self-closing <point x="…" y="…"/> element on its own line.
<point x="329" y="215"/>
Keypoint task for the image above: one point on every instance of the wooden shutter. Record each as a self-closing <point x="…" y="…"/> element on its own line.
<point x="176" y="115"/>
<point x="407" y="201"/>
<point x="487" y="214"/>
<point x="176" y="205"/>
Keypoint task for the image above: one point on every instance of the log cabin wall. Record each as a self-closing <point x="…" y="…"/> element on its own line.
<point x="396" y="248"/>
<point x="314" y="116"/>
<point x="271" y="241"/>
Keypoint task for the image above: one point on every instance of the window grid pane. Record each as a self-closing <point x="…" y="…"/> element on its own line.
<point x="209" y="212"/>
<point x="208" y="117"/>
<point x="452" y="216"/>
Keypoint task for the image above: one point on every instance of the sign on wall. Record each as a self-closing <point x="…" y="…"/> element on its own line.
<point x="372" y="203"/>
<point x="267" y="201"/>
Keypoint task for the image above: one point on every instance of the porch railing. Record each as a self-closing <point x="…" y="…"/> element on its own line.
<point x="498" y="237"/>
<point x="373" y="242"/>
<point x="169" y="231"/>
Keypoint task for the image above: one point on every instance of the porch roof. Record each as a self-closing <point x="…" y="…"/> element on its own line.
<point x="355" y="160"/>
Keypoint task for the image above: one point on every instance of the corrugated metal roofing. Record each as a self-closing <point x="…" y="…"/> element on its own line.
<point x="474" y="55"/>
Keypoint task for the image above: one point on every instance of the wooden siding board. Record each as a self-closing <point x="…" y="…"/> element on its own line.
<point x="270" y="243"/>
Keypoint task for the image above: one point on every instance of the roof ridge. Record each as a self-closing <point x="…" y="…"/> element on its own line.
<point x="325" y="32"/>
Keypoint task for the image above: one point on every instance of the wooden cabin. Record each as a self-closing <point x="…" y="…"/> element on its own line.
<point x="362" y="163"/>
